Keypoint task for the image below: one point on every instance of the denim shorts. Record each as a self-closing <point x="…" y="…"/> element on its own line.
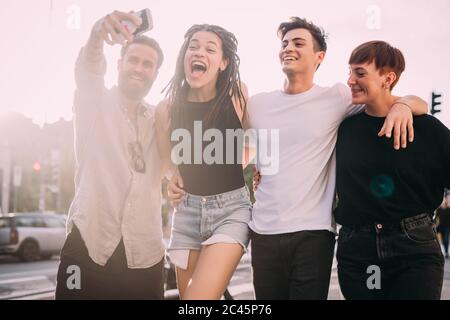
<point x="205" y="220"/>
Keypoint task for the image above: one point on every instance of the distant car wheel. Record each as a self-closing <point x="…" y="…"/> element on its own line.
<point x="29" y="251"/>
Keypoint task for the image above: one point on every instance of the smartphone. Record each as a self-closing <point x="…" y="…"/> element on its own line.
<point x="147" y="23"/>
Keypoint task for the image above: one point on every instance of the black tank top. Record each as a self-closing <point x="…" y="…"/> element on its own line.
<point x="208" y="179"/>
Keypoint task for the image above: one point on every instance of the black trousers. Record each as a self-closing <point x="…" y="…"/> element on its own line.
<point x="292" y="266"/>
<point x="445" y="233"/>
<point x="407" y="255"/>
<point x="114" y="281"/>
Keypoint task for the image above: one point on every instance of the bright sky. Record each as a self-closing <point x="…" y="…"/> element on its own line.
<point x="41" y="39"/>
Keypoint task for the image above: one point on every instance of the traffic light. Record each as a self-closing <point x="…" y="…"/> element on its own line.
<point x="35" y="176"/>
<point x="435" y="105"/>
<point x="54" y="170"/>
<point x="37" y="167"/>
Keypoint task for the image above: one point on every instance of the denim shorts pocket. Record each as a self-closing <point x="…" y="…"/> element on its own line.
<point x="238" y="210"/>
<point x="237" y="203"/>
<point x="180" y="204"/>
<point x="424" y="233"/>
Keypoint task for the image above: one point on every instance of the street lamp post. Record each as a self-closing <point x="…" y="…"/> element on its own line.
<point x="38" y="169"/>
<point x="51" y="12"/>
<point x="17" y="182"/>
<point x="5" y="166"/>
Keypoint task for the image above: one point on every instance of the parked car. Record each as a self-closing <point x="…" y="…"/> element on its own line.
<point x="32" y="236"/>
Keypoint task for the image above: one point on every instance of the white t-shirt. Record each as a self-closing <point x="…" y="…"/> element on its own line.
<point x="300" y="195"/>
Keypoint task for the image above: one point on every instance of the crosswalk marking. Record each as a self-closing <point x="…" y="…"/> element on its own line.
<point x="26" y="279"/>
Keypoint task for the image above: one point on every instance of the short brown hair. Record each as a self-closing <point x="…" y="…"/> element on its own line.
<point x="150" y="42"/>
<point x="386" y="57"/>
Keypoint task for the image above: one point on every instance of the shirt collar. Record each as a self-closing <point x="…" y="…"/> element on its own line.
<point x="145" y="109"/>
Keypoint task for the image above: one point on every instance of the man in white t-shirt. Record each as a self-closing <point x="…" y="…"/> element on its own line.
<point x="292" y="229"/>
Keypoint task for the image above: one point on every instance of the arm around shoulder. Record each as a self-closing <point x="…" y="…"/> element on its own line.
<point x="162" y="128"/>
<point x="240" y="105"/>
<point x="417" y="105"/>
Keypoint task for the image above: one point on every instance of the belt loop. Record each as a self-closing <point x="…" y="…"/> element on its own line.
<point x="219" y="201"/>
<point x="185" y="200"/>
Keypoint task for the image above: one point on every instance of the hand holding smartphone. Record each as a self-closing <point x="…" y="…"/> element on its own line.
<point x="146" y="25"/>
<point x="117" y="27"/>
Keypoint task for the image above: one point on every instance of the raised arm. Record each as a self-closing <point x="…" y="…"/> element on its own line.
<point x="108" y="29"/>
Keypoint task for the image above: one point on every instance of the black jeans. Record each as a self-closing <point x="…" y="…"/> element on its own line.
<point x="407" y="255"/>
<point x="292" y="266"/>
<point x="114" y="281"/>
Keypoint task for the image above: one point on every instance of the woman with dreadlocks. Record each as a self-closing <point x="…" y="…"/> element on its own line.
<point x="206" y="101"/>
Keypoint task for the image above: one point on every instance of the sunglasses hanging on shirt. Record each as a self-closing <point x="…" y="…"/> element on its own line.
<point x="137" y="156"/>
<point x="135" y="149"/>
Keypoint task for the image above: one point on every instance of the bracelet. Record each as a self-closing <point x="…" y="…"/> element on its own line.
<point x="404" y="103"/>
